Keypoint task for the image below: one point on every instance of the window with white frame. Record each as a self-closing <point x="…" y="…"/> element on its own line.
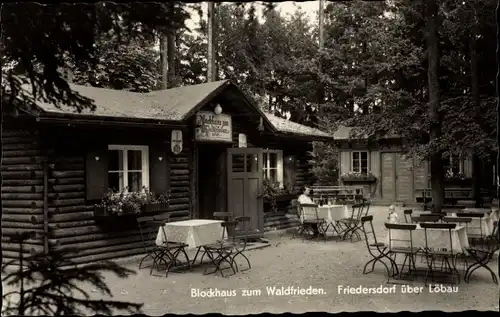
<point x="273" y="165"/>
<point x="453" y="164"/>
<point x="128" y="167"/>
<point x="359" y="162"/>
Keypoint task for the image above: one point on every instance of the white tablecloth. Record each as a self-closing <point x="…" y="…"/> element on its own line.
<point x="473" y="227"/>
<point x="195" y="232"/>
<point x="437" y="238"/>
<point x="333" y="213"/>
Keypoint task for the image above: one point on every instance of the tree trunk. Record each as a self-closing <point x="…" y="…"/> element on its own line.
<point x="497" y="167"/>
<point x="436" y="154"/>
<point x="171" y="54"/>
<point x="164" y="61"/>
<point x="476" y="102"/>
<point x="321" y="38"/>
<point x="211" y="43"/>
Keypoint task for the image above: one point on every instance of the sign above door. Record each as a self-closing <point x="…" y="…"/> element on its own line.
<point x="213" y="127"/>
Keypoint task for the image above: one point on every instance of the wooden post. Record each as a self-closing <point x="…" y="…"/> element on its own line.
<point x="211" y="72"/>
<point x="45" y="207"/>
<point x="497" y="168"/>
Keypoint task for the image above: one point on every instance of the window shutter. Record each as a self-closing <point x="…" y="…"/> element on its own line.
<point x="159" y="174"/>
<point x="345" y="162"/>
<point x="280" y="167"/>
<point x="96" y="172"/>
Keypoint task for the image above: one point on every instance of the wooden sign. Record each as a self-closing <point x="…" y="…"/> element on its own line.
<point x="176" y="142"/>
<point x="213" y="127"/>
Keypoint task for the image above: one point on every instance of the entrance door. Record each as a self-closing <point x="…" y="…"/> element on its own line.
<point x="388" y="176"/>
<point x="244" y="177"/>
<point x="397" y="177"/>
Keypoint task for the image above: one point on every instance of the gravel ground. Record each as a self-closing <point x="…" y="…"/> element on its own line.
<point x="291" y="262"/>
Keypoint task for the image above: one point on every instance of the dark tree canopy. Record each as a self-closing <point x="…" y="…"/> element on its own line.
<point x="39" y="39"/>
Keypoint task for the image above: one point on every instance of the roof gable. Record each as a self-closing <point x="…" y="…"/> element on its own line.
<point x="175" y="104"/>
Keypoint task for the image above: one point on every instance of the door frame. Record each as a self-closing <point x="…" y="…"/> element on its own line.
<point x="246" y="175"/>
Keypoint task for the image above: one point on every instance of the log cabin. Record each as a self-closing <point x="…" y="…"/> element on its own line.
<point x="401" y="179"/>
<point x="208" y="146"/>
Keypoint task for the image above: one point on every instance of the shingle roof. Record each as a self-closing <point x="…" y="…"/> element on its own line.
<point x="344" y="133"/>
<point x="287" y="126"/>
<point x="171" y="104"/>
<point x="175" y="104"/>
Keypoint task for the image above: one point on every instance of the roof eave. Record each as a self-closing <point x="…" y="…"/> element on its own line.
<point x="76" y="118"/>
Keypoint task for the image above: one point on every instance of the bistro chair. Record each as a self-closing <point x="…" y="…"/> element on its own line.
<point x="222" y="215"/>
<point x="403" y="238"/>
<point x="377" y="250"/>
<point x="357" y="225"/>
<point x="446" y="255"/>
<point x="475" y="228"/>
<point x="301" y="228"/>
<point x="483" y="254"/>
<point x="221" y="252"/>
<point x="348" y="226"/>
<point x="407" y="213"/>
<point x="171" y="249"/>
<point x="311" y="220"/>
<point x="426" y="218"/>
<point x="152" y="251"/>
<point x="242" y="234"/>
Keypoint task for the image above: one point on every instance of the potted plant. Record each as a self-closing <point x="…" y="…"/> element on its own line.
<point x="354" y="177"/>
<point x="272" y="193"/>
<point x="125" y="203"/>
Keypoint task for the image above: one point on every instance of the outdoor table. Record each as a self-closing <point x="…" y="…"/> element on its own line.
<point x="332" y="213"/>
<point x="195" y="232"/>
<point x="437" y="238"/>
<point x="486" y="223"/>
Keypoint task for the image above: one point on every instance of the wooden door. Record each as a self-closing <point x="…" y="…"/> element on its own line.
<point x="244" y="177"/>
<point x="404" y="178"/>
<point x="388" y="171"/>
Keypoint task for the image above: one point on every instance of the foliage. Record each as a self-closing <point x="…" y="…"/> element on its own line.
<point x="125" y="202"/>
<point x="450" y="176"/>
<point x="40" y="38"/>
<point x="358" y="176"/>
<point x="325" y="163"/>
<point x="271" y="190"/>
<point x="51" y="284"/>
<point x="123" y="65"/>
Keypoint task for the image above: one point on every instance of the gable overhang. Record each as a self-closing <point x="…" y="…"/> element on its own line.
<point x="229" y="86"/>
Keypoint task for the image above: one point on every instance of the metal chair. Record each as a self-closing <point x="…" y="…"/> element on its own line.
<point x="351" y="224"/>
<point x="484" y="255"/>
<point x="433" y="254"/>
<point x="475" y="230"/>
<point x="426" y="218"/>
<point x="171" y="250"/>
<point x="240" y="239"/>
<point x="407" y="213"/>
<point x="311" y="221"/>
<point x="403" y="246"/>
<point x="377" y="250"/>
<point x="221" y="252"/>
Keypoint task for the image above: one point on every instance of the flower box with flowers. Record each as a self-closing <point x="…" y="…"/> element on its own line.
<point x="126" y="203"/>
<point x="354" y="177"/>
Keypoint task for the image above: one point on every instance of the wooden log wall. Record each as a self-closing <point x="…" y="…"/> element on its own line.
<point x="22" y="190"/>
<point x="72" y="224"/>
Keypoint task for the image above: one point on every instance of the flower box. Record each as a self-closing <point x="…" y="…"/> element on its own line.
<point x="155" y="208"/>
<point x="359" y="179"/>
<point x="100" y="211"/>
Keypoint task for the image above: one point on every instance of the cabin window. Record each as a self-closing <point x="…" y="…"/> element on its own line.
<point x="128" y="167"/>
<point x="453" y="165"/>
<point x="273" y="165"/>
<point x="359" y="162"/>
